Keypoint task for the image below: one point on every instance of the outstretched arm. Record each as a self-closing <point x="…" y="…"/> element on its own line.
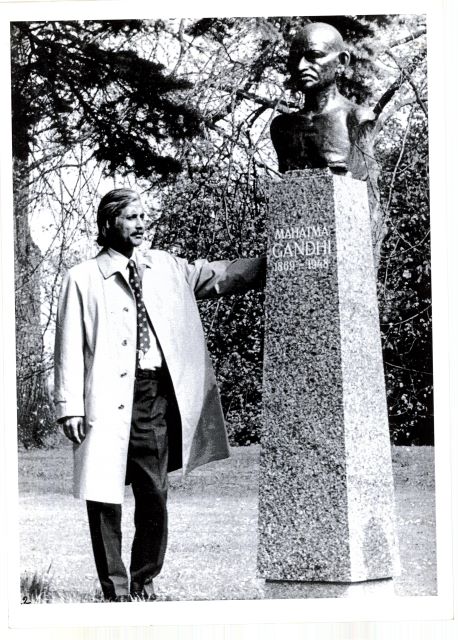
<point x="224" y="277"/>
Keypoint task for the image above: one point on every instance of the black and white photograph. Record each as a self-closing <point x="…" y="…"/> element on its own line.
<point x="221" y="241"/>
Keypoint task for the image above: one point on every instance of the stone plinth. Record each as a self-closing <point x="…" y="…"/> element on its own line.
<point x="326" y="504"/>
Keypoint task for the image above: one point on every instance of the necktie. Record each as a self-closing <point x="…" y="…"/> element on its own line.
<point x="143" y="341"/>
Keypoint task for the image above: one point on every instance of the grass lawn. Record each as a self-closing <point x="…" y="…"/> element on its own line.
<point x="212" y="531"/>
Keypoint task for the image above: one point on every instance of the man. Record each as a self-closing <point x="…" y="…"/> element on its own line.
<point x="134" y="386"/>
<point x="329" y="130"/>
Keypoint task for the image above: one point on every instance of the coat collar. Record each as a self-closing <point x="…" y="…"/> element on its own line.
<point x="109" y="265"/>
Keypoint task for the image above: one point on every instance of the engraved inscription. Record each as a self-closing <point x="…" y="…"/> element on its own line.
<point x="308" y="246"/>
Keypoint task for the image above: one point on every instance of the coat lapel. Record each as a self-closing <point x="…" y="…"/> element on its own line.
<point x="110" y="266"/>
<point x="107" y="265"/>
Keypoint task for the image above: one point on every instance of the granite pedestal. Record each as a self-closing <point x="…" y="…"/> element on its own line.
<point x="326" y="502"/>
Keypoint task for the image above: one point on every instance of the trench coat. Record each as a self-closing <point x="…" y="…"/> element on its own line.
<point x="95" y="355"/>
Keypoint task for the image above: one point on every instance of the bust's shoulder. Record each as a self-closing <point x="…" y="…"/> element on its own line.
<point x="358" y="113"/>
<point x="285" y="126"/>
<point x="284" y="120"/>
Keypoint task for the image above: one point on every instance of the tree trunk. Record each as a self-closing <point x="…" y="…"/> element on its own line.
<point x="33" y="408"/>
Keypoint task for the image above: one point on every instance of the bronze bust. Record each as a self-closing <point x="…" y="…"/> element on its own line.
<point x="329" y="130"/>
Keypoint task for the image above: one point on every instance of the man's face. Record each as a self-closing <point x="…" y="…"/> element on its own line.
<point x="315" y="60"/>
<point x="126" y="230"/>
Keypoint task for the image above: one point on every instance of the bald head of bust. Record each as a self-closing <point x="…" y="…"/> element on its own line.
<point x="316" y="55"/>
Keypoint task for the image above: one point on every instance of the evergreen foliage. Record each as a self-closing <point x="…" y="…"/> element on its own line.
<point x="84" y="80"/>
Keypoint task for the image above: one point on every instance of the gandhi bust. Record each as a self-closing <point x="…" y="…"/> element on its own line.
<point x="329" y="130"/>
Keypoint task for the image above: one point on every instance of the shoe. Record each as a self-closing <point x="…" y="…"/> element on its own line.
<point x="123" y="598"/>
<point x="142" y="595"/>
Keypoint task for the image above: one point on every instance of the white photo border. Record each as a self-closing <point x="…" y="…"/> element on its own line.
<point x="417" y="609"/>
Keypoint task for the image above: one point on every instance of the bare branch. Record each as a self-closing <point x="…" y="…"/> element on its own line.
<point x="413" y="36"/>
<point x="383" y="119"/>
<point x="398" y="162"/>
<point x="280" y="104"/>
<point x="406" y="74"/>
<point x="405" y="71"/>
<point x="420" y="313"/>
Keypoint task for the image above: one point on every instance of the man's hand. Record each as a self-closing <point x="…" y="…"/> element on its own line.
<point x="74" y="428"/>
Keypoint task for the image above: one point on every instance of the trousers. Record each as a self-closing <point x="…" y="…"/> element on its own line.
<point x="147" y="461"/>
